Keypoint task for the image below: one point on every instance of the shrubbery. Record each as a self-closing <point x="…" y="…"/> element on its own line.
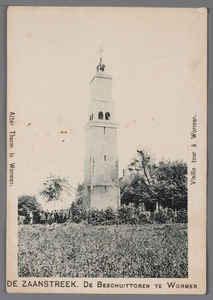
<point x="163" y="216"/>
<point x="102" y="217"/>
<point x="125" y="215"/>
<point x="182" y="216"/>
<point x="78" y="213"/>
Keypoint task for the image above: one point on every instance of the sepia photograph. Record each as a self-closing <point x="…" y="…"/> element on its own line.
<point x="106" y="150"/>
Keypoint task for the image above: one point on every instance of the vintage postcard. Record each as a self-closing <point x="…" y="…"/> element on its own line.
<point x="107" y="134"/>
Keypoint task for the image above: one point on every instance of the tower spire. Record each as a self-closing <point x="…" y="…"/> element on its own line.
<point x="101" y="50"/>
<point x="101" y="66"/>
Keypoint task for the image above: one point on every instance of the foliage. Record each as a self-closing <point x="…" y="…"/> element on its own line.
<point x="27" y="204"/>
<point x="78" y="213"/>
<point x="77" y="250"/>
<point x="164" y="216"/>
<point x="54" y="186"/>
<point x="182" y="216"/>
<point x="150" y="182"/>
<point x="172" y="184"/>
<point x="142" y="216"/>
<point x="125" y="215"/>
<point x="102" y="217"/>
<point x="79" y="194"/>
<point x="134" y="189"/>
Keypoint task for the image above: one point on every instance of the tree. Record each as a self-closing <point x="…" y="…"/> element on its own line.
<point x="134" y="189"/>
<point x="164" y="183"/>
<point x="141" y="186"/>
<point x="172" y="184"/>
<point x="26" y="204"/>
<point x="54" y="186"/>
<point x="79" y="194"/>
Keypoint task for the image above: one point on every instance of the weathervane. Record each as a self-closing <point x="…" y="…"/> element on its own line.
<point x="101" y="66"/>
<point x="101" y="50"/>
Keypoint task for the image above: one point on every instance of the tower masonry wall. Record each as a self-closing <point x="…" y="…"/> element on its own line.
<point x="103" y="197"/>
<point x="104" y="141"/>
<point x="101" y="89"/>
<point x="101" y="182"/>
<point x="101" y="162"/>
<point x="99" y="105"/>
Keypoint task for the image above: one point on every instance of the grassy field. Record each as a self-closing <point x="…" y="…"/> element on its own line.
<point x="77" y="250"/>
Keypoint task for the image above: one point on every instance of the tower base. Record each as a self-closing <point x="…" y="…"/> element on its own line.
<point x="102" y="196"/>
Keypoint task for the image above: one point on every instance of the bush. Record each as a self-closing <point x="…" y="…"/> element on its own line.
<point x="101" y="217"/>
<point x="21" y="220"/>
<point x="109" y="214"/>
<point x="95" y="217"/>
<point x="26" y="204"/>
<point x="163" y="215"/>
<point x="27" y="219"/>
<point x="125" y="215"/>
<point x="143" y="217"/>
<point x="78" y="213"/>
<point x="182" y="216"/>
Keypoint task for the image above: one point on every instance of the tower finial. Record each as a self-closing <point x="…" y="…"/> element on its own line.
<point x="101" y="50"/>
<point x="101" y="66"/>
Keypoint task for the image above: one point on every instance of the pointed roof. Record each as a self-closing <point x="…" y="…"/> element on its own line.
<point x="100" y="68"/>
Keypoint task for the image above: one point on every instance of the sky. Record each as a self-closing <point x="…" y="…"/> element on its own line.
<point x="153" y="59"/>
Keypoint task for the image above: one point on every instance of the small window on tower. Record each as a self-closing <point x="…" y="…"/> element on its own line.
<point x="107" y="116"/>
<point x="92" y="116"/>
<point x="100" y="115"/>
<point x="104" y="157"/>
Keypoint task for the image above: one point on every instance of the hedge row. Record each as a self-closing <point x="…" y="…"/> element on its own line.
<point x="126" y="215"/>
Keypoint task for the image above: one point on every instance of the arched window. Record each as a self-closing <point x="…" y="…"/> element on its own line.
<point x="107" y="116"/>
<point x="92" y="116"/>
<point x="100" y="115"/>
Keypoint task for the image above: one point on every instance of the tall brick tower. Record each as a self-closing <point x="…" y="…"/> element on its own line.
<point x="101" y="182"/>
